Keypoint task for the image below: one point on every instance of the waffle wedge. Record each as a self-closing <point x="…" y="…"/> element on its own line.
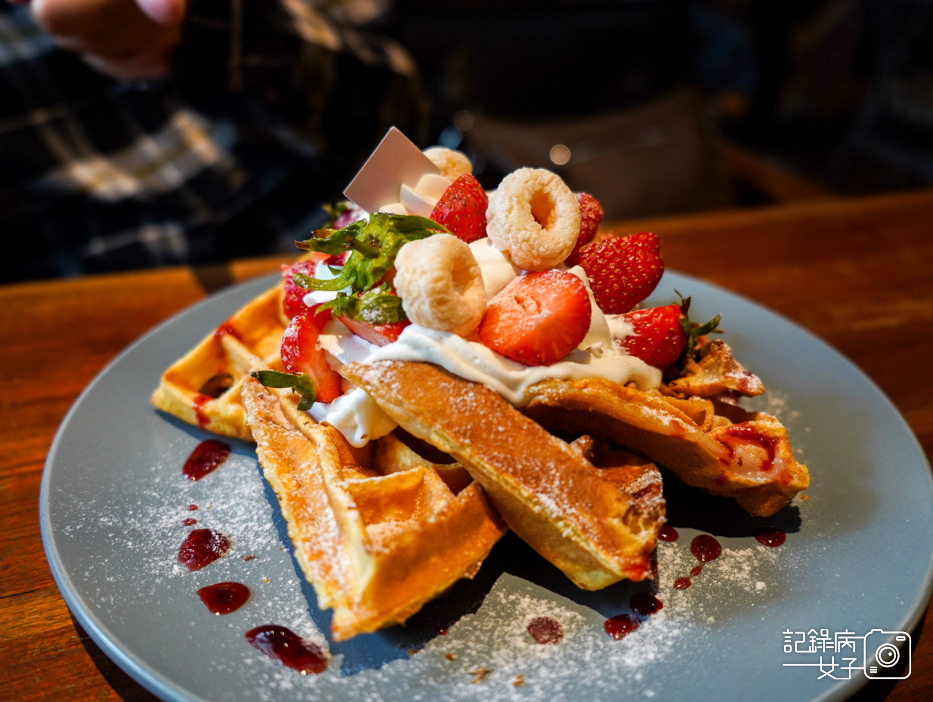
<point x="545" y="489"/>
<point x="203" y="386"/>
<point x="720" y="449"/>
<point x="378" y="531"/>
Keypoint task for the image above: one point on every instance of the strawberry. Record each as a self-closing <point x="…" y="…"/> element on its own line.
<point x="347" y="213"/>
<point x="659" y="339"/>
<point x="378" y="334"/>
<point x="538" y="319"/>
<point x="462" y="209"/>
<point x="663" y="333"/>
<point x="293" y="301"/>
<point x="591" y="216"/>
<point x="622" y="271"/>
<point x="301" y="354"/>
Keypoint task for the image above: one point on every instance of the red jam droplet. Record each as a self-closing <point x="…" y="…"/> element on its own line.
<point x="546" y="630"/>
<point x="288" y="648"/>
<point x="198" y="406"/>
<point x="668" y="533"/>
<point x="645" y="603"/>
<point x="706" y="548"/>
<point x="201" y="548"/>
<point x="682" y="583"/>
<point x="192" y="508"/>
<point x="621" y="625"/>
<point x="224" y="329"/>
<point x="223" y="598"/>
<point x="206" y="457"/>
<point x="190" y="521"/>
<point x="769" y="536"/>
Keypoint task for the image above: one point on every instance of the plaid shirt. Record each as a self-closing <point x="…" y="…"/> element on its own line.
<point x="270" y="107"/>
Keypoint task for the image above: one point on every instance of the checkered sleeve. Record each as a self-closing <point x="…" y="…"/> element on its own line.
<point x="270" y="106"/>
<point x="311" y="72"/>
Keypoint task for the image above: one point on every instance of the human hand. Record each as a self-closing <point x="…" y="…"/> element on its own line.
<point x="125" y="39"/>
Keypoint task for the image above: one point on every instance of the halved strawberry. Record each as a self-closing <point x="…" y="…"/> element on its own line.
<point x="591" y="216"/>
<point x="301" y="354"/>
<point x="662" y="333"/>
<point x="378" y="334"/>
<point x="538" y="319"/>
<point x="462" y="209"/>
<point x="622" y="271"/>
<point x="293" y="301"/>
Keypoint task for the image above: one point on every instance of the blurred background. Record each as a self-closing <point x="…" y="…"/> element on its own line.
<point x="656" y="107"/>
<point x="666" y="106"/>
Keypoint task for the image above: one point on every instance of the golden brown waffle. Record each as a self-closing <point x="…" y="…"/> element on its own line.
<point x="203" y="387"/>
<point x="545" y="489"/>
<point x="378" y="531"/>
<point x="734" y="453"/>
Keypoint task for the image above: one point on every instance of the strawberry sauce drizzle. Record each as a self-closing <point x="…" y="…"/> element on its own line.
<point x="745" y="433"/>
<point x="223" y="598"/>
<point x="643" y="604"/>
<point x="198" y="406"/>
<point x="546" y="630"/>
<point x="289" y="649"/>
<point x="705" y="548"/>
<point x="770" y="536"/>
<point x="224" y="329"/>
<point x="201" y="548"/>
<point x="206" y="458"/>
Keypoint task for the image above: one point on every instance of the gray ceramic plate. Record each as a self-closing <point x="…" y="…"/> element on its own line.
<point x="855" y="567"/>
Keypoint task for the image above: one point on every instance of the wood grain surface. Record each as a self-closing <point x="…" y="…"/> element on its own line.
<point x="857" y="273"/>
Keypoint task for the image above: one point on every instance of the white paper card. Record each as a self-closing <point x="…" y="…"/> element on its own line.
<point x="395" y="162"/>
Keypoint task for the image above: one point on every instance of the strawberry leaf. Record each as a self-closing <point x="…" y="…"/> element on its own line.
<point x="378" y="305"/>
<point x="374" y="245"/>
<point x="299" y="382"/>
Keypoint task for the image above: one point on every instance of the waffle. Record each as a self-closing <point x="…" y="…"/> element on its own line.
<point x="545" y="489"/>
<point x="719" y="448"/>
<point x="203" y="387"/>
<point x="378" y="531"/>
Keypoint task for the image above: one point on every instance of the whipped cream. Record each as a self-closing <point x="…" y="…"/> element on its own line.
<point x="472" y="360"/>
<point x="356" y="415"/>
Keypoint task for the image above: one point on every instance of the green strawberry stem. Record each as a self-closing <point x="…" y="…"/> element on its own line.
<point x="694" y="331"/>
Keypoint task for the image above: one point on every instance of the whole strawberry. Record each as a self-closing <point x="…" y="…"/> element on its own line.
<point x="591" y="216"/>
<point x="462" y="209"/>
<point x="622" y="271"/>
<point x="659" y="338"/>
<point x="662" y="334"/>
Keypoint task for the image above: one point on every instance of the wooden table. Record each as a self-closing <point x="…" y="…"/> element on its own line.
<point x="858" y="273"/>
